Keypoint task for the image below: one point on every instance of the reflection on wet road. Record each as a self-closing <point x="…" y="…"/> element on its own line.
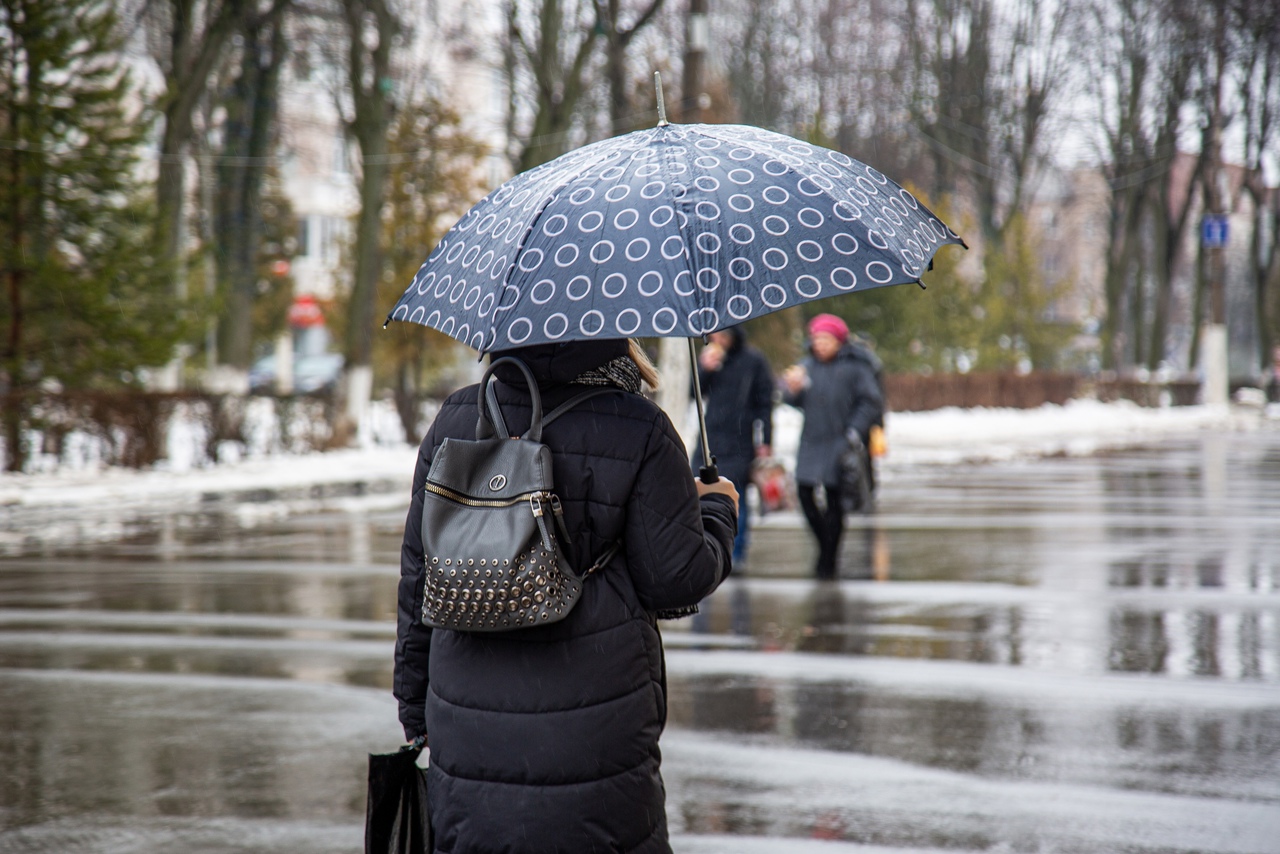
<point x="1068" y="655"/>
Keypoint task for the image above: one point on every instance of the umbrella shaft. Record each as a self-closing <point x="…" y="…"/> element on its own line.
<point x="708" y="472"/>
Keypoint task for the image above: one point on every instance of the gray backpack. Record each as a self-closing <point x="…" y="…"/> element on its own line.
<point x="497" y="554"/>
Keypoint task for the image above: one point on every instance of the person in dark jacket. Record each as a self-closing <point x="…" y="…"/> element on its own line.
<point x="545" y="739"/>
<point x="838" y="392"/>
<point x="737" y="391"/>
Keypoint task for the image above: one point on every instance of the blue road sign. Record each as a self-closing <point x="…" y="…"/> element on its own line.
<point x="1213" y="231"/>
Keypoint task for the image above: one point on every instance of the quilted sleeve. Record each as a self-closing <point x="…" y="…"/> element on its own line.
<point x="413" y="639"/>
<point x="678" y="547"/>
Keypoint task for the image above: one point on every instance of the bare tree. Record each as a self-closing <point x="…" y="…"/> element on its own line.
<point x="187" y="39"/>
<point x="1257" y="26"/>
<point x="985" y="82"/>
<point x="549" y="45"/>
<point x="371" y="29"/>
<point x="249" y="132"/>
<point x="1169" y="199"/>
<point x="618" y="37"/>
<point x="1141" y="65"/>
<point x="764" y="68"/>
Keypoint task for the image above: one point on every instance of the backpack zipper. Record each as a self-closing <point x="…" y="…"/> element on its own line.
<point x="445" y="492"/>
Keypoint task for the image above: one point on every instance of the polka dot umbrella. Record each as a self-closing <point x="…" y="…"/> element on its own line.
<point x="678" y="230"/>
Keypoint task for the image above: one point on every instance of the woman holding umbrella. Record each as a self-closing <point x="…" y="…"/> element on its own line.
<point x="548" y="742"/>
<point x="545" y="739"/>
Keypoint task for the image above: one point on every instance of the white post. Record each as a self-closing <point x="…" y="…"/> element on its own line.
<point x="1213" y="364"/>
<point x="677" y="376"/>
<point x="359" y="392"/>
<point x="284" y="363"/>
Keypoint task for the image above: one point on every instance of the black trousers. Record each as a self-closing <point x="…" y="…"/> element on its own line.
<point x="827" y="524"/>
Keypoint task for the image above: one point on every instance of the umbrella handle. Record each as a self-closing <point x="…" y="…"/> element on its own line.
<point x="709" y="474"/>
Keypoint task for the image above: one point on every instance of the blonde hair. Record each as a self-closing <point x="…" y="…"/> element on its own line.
<point x="648" y="371"/>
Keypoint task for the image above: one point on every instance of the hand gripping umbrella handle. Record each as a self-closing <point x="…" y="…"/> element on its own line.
<point x="708" y="473"/>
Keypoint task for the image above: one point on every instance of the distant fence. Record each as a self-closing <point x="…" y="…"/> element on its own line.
<point x="917" y="393"/>
<point x="133" y="428"/>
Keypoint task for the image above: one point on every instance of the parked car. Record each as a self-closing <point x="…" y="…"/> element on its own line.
<point x="316" y="373"/>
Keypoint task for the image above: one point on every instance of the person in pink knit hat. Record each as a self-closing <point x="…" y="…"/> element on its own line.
<point x="838" y="391"/>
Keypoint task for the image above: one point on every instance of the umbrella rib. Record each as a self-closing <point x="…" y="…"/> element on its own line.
<point x="664" y="154"/>
<point x="548" y="198"/>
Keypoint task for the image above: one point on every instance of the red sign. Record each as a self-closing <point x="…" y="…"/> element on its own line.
<point x="305" y="312"/>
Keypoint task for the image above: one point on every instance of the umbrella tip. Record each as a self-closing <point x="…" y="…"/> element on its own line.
<point x="662" y="106"/>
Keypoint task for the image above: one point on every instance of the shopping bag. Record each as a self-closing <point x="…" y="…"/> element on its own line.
<point x="397" y="820"/>
<point x="878" y="445"/>
<point x="773" y="485"/>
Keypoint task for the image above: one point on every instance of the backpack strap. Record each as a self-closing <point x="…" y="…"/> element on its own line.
<point x="574" y="401"/>
<point x="492" y="423"/>
<point x="500" y="424"/>
<point x="605" y="557"/>
<point x="495" y="410"/>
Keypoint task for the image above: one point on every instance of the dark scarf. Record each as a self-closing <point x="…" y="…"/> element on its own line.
<point x="621" y="372"/>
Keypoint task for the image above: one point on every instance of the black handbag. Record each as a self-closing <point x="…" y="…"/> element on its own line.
<point x="397" y="819"/>
<point x="855" y="479"/>
<point x="496" y="552"/>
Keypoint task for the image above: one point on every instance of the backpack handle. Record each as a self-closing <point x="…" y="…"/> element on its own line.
<point x="491" y="414"/>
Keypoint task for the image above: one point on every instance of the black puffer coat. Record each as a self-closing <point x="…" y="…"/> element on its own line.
<point x="546" y="739"/>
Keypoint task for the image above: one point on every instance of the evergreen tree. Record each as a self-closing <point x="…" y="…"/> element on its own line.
<point x="83" y="304"/>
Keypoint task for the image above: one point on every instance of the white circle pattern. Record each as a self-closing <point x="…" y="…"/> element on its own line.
<point x="586" y="245"/>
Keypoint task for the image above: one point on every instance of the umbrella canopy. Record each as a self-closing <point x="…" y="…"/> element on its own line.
<point x="678" y="230"/>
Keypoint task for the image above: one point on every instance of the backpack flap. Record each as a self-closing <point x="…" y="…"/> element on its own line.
<point x="493" y="561"/>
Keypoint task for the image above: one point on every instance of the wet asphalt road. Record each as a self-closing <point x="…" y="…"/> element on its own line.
<point x="1065" y="655"/>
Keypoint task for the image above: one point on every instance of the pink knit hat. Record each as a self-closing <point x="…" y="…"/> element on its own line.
<point x="831" y="325"/>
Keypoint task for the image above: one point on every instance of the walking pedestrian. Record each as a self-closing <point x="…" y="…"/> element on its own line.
<point x="737" y="390"/>
<point x="545" y="739"/>
<point x="841" y="399"/>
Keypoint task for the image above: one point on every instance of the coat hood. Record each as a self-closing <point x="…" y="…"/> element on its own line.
<point x="737" y="336"/>
<point x="559" y="364"/>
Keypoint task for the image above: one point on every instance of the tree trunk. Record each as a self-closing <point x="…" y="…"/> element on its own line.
<point x="1265" y="255"/>
<point x="186" y="80"/>
<point x="559" y="86"/>
<point x="252" y="110"/>
<point x="369" y="71"/>
<point x="1125" y="217"/>
<point x="170" y="182"/>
